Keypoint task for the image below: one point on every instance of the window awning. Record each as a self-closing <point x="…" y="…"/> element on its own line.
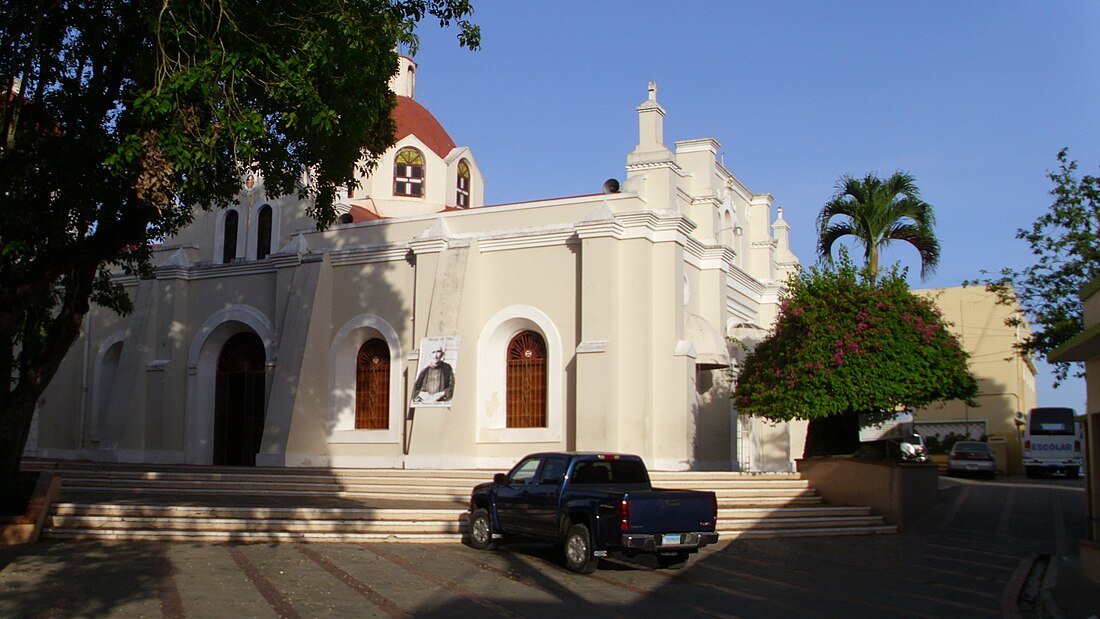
<point x="711" y="352"/>
<point x="1081" y="347"/>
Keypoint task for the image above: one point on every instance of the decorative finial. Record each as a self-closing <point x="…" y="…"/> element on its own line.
<point x="653" y="91"/>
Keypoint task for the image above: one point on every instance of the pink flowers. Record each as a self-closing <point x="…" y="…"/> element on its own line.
<point x="927" y="330"/>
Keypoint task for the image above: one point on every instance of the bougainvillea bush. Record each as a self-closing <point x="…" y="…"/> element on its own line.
<point x="843" y="345"/>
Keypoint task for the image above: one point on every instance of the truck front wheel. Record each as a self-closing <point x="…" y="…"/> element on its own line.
<point x="578" y="550"/>
<point x="481" y="530"/>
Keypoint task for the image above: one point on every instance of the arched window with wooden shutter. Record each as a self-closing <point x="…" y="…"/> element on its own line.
<point x="527" y="381"/>
<point x="372" y="386"/>
<point x="263" y="232"/>
<point x="229" y="236"/>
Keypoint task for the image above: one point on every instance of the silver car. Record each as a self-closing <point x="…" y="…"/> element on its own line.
<point x="972" y="457"/>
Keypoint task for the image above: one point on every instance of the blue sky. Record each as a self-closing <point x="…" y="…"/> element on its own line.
<point x="974" y="99"/>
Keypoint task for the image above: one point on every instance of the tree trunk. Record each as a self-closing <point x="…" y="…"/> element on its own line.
<point x="15" y="427"/>
<point x="832" y="435"/>
<point x="38" y="358"/>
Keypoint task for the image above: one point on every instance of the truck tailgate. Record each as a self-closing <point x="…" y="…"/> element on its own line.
<point x="661" y="511"/>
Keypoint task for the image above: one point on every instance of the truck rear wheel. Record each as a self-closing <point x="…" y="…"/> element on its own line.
<point x="578" y="550"/>
<point x="481" y="530"/>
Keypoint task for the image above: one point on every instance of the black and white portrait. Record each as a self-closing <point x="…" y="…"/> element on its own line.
<point x="435" y="374"/>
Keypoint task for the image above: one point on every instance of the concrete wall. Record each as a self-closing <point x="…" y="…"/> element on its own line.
<point x="900" y="493"/>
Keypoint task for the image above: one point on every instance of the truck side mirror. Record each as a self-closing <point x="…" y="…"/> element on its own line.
<point x="500" y="479"/>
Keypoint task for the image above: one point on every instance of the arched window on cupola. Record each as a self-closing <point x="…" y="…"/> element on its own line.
<point x="229" y="236"/>
<point x="263" y="232"/>
<point x="526" y="381"/>
<point x="462" y="197"/>
<point x="408" y="173"/>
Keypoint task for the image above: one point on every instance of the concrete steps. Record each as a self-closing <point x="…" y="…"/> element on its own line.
<point x="146" y="502"/>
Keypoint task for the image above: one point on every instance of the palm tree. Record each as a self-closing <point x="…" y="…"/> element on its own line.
<point x="877" y="212"/>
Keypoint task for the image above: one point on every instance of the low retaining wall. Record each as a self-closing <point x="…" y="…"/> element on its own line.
<point x="899" y="492"/>
<point x="1090" y="560"/>
<point x="25" y="529"/>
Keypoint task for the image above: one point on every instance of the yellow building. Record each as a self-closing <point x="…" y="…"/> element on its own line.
<point x="1006" y="381"/>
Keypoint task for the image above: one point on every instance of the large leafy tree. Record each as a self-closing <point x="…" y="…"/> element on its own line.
<point x="1066" y="244"/>
<point x="844" y="345"/>
<point x="877" y="212"/>
<point x="119" y="117"/>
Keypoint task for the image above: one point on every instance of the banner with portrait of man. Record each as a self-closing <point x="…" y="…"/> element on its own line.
<point x="435" y="373"/>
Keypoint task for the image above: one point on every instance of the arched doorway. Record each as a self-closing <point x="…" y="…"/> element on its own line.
<point x="239" y="401"/>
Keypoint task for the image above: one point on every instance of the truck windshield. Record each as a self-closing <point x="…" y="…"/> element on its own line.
<point x="1051" y="421"/>
<point x="610" y="472"/>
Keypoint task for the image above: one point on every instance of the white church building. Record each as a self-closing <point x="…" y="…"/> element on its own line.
<point x="608" y="322"/>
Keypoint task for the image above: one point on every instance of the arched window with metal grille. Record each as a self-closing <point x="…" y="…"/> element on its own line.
<point x="462" y="197"/>
<point x="408" y="173"/>
<point x="527" y="381"/>
<point x="372" y="386"/>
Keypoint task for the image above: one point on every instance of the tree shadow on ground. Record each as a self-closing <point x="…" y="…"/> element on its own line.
<point x="86" y="579"/>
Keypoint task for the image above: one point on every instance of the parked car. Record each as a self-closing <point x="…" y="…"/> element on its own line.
<point x="592" y="505"/>
<point x="913" y="449"/>
<point x="972" y="457"/>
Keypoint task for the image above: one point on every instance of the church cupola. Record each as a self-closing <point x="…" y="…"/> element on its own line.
<point x="424" y="172"/>
<point x="403" y="83"/>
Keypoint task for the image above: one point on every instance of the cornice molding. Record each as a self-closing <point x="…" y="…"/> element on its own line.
<point x="527" y="239"/>
<point x="207" y="270"/>
<point x="739" y="280"/>
<point x="390" y="252"/>
<point x="428" y="246"/>
<point x="642" y="166"/>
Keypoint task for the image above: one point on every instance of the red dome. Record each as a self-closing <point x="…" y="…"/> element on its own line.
<point x="414" y="119"/>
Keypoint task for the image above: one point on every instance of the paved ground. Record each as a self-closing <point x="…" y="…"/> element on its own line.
<point x="968" y="558"/>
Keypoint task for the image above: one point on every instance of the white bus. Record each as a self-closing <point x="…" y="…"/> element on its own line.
<point x="1052" y="442"/>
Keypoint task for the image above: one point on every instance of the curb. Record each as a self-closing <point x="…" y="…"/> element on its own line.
<point x="1047" y="604"/>
<point x="1010" y="597"/>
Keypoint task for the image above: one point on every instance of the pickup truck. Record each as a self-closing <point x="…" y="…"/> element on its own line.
<point x="591" y="505"/>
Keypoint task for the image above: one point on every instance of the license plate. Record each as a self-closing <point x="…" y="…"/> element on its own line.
<point x="670" y="539"/>
<point x="972" y="467"/>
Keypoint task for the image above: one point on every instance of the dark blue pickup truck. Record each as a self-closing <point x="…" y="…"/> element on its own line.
<point x="591" y="505"/>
